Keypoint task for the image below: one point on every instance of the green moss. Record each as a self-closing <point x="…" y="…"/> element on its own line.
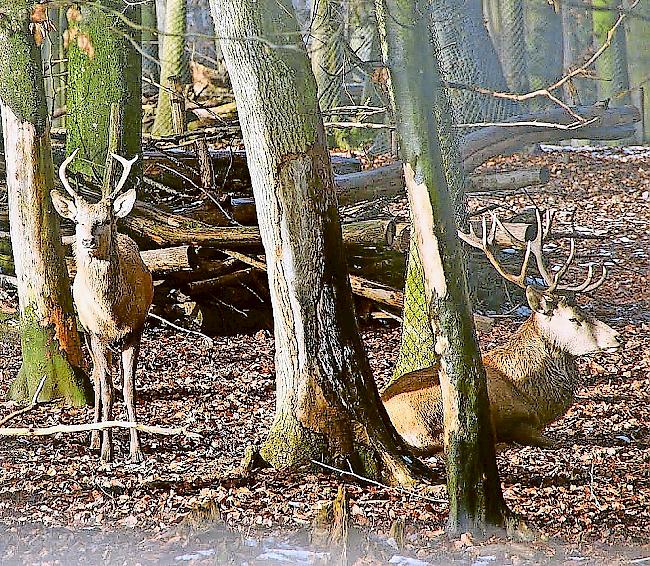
<point x="42" y="356"/>
<point x="21" y="83"/>
<point x="104" y="70"/>
<point x="289" y="445"/>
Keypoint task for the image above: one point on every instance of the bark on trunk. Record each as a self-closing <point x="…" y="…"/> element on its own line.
<point x="172" y="63"/>
<point x="103" y="85"/>
<point x="475" y="498"/>
<point x="611" y="66"/>
<point x="50" y="343"/>
<point x="324" y="382"/>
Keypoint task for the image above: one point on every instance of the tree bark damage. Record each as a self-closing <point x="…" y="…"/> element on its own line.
<point x="475" y="498"/>
<point x="325" y="389"/>
<point x="50" y="343"/>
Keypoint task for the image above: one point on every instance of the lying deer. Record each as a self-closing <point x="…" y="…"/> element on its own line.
<point x="112" y="290"/>
<point x="532" y="379"/>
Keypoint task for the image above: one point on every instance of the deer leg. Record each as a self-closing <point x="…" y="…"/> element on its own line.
<point x="129" y="363"/>
<point x="94" y="435"/>
<point x="103" y="358"/>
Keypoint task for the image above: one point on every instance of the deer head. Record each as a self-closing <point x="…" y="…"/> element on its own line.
<point x="95" y="222"/>
<point x="558" y="319"/>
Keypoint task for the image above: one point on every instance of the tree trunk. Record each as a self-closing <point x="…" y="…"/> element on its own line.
<point x="577" y="42"/>
<point x="468" y="57"/>
<point x="50" y="343"/>
<point x="103" y="80"/>
<point x="611" y="66"/>
<point x="172" y="64"/>
<point x="327" y="54"/>
<point x="150" y="52"/>
<point x="513" y="46"/>
<point x="325" y="388"/>
<point x="543" y="45"/>
<point x="475" y="498"/>
<point x="638" y="39"/>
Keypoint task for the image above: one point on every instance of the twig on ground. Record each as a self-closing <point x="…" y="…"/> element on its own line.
<point x="47" y="431"/>
<point x="209" y="341"/>
<point x="29" y="407"/>
<point x="379" y="484"/>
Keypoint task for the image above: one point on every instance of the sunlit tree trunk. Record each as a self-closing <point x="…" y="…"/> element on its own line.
<point x="50" y="343"/>
<point x="104" y="79"/>
<point x="475" y="498"/>
<point x="325" y="394"/>
<point x="173" y="64"/>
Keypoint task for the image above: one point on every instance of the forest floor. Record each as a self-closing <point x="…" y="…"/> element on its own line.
<point x="588" y="499"/>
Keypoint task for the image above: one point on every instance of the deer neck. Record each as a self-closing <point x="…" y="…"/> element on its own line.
<point x="538" y="368"/>
<point x="100" y="272"/>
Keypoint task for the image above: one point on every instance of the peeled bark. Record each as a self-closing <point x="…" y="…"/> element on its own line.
<point x="475" y="498"/>
<point x="50" y="343"/>
<point x="325" y="388"/>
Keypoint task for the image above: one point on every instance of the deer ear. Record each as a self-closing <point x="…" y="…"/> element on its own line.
<point x="63" y="205"/>
<point x="538" y="301"/>
<point x="123" y="204"/>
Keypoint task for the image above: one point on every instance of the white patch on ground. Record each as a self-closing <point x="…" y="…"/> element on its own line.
<point x="423" y="225"/>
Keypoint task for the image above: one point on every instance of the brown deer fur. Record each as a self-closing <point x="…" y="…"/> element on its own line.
<point x="531" y="380"/>
<point x="112" y="290"/>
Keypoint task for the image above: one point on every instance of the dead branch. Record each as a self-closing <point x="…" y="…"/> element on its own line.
<point x="29" y="407"/>
<point x="47" y="431"/>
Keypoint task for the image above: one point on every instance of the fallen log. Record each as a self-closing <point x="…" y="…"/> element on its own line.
<point x="608" y="124"/>
<point x="388" y="182"/>
<point x="178" y="168"/>
<point x="503" y="235"/>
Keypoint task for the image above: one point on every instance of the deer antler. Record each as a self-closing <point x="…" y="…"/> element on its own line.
<point x="62" y="176"/>
<point x="534" y="246"/>
<point x="487" y="240"/>
<point x="126" y="164"/>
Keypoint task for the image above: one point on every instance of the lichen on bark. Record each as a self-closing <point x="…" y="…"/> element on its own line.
<point x="20" y="68"/>
<point x="103" y="72"/>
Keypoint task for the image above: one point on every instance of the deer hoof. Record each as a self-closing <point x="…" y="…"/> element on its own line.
<point x="95" y="441"/>
<point x="107" y="452"/>
<point x="136" y="456"/>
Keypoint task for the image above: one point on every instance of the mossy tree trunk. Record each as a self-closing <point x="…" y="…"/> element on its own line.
<point x="50" y="343"/>
<point x="475" y="498"/>
<point x="171" y="64"/>
<point x="104" y="79"/>
<point x="325" y="390"/>
<point x="611" y="66"/>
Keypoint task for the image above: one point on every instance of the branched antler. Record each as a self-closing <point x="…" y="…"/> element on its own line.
<point x="534" y="247"/>
<point x="126" y="165"/>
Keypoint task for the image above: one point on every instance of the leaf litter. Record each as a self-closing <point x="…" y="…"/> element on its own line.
<point x="587" y="500"/>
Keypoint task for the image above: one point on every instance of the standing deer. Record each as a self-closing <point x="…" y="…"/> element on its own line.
<point x="532" y="379"/>
<point x="112" y="290"/>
